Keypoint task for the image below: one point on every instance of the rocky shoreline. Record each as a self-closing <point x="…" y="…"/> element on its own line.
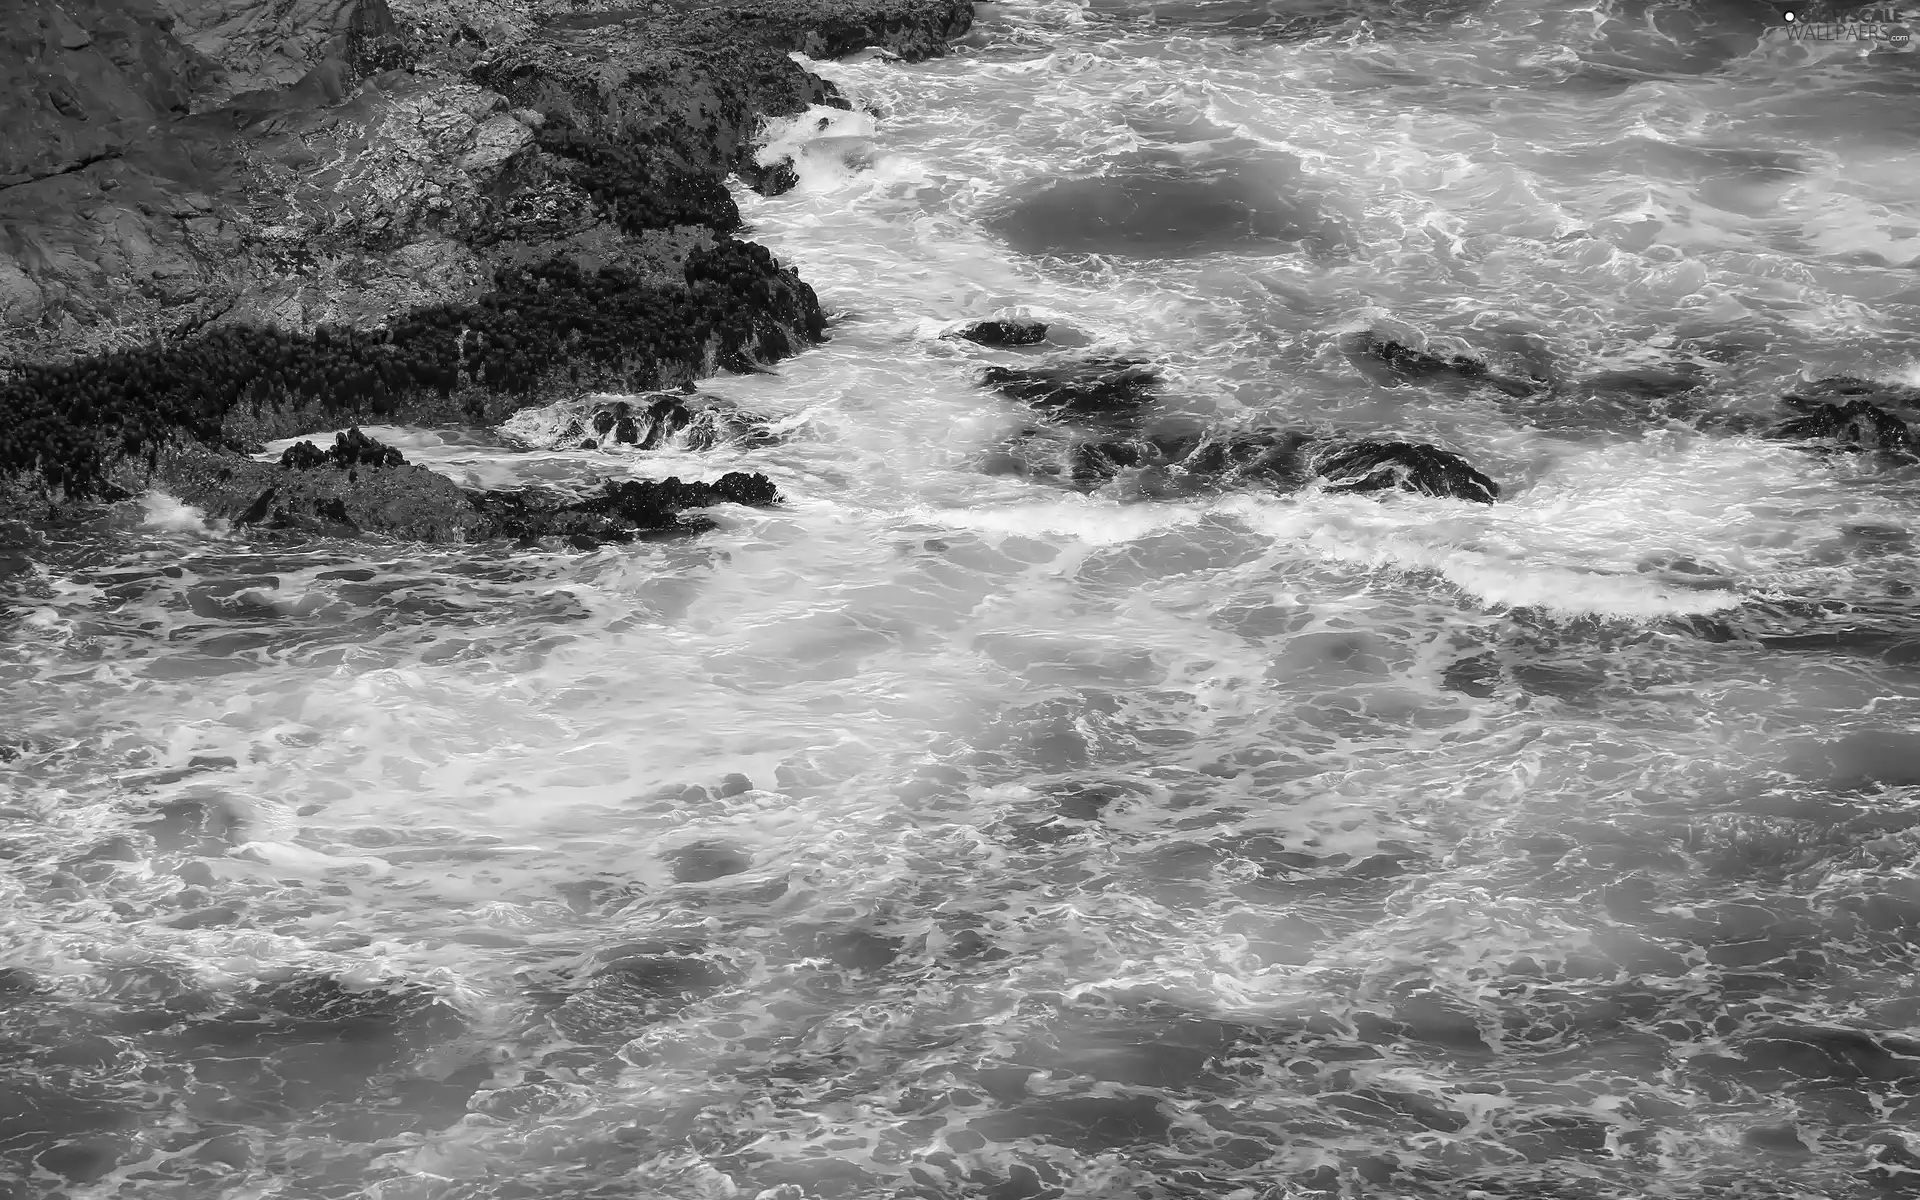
<point x="223" y="222"/>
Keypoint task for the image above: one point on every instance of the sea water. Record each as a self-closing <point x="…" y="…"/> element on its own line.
<point x="942" y="834"/>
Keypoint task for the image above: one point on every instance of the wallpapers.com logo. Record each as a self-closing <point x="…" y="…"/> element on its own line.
<point x="1882" y="24"/>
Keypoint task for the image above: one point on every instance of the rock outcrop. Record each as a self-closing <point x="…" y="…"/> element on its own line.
<point x="1103" y="389"/>
<point x="232" y="220"/>
<point x="1168" y="464"/>
<point x="686" y="420"/>
<point x="1100" y="423"/>
<point x="1006" y="331"/>
<point x="360" y="484"/>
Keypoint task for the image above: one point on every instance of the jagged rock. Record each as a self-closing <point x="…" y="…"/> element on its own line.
<point x="350" y="449"/>
<point x="1844" y="388"/>
<point x="770" y="179"/>
<point x="259" y="509"/>
<point x="1101" y="426"/>
<point x="1095" y="388"/>
<point x="1368" y="466"/>
<point x="650" y="421"/>
<point x="1164" y="464"/>
<point x="622" y="509"/>
<point x="1854" y="425"/>
<point x="373" y="490"/>
<point x="1006" y="331"/>
<point x="1170" y="464"/>
<point x="303" y="456"/>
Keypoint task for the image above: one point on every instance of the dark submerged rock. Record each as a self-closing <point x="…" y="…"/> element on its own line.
<point x="661" y="970"/>
<point x="1152" y="208"/>
<point x="1394" y="364"/>
<point x="706" y="861"/>
<point x="624" y="987"/>
<point x="1404" y="362"/>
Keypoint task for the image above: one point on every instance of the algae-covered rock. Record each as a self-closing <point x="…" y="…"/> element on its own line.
<point x="237" y="221"/>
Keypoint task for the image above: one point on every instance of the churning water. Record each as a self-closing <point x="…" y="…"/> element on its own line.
<point x="941" y="834"/>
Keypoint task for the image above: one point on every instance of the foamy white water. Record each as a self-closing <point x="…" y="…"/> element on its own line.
<point x="944" y="834"/>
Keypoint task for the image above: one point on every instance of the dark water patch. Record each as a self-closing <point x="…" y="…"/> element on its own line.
<point x="1733" y="178"/>
<point x="706" y="861"/>
<point x="314" y="1034"/>
<point x="63" y="1123"/>
<point x="1642" y="40"/>
<point x="660" y="970"/>
<point x="1862" y="626"/>
<point x="1478" y="676"/>
<point x="1044" y="661"/>
<point x="1866" y="759"/>
<point x="624" y="988"/>
<point x="202" y="826"/>
<point x="1086" y="1124"/>
<point x="1067" y="810"/>
<point x="1284" y="20"/>
<point x="1147" y="209"/>
<point x="1788" y="1056"/>
<point x="147" y="1061"/>
<point x="845" y="947"/>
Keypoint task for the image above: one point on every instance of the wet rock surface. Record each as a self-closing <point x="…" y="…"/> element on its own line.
<point x="386" y="214"/>
<point x="685" y="420"/>
<point x="1110" y="389"/>
<point x="1394" y="364"/>
<point x="1009" y="331"/>
<point x="1853" y="425"/>
<point x="350" y="449"/>
<point x="622" y="511"/>
<point x="1368" y="466"/>
<point x="362" y="485"/>
<point x="1103" y="424"/>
